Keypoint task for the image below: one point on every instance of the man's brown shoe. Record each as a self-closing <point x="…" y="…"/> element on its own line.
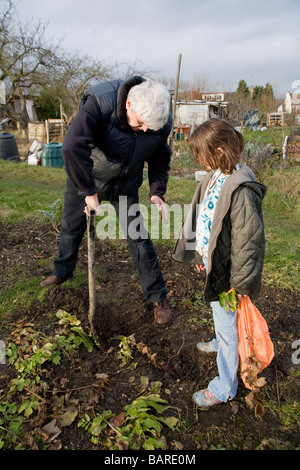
<point x="53" y="280"/>
<point x="162" y="313"/>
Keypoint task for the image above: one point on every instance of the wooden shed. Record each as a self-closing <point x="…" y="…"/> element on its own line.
<point x="52" y="130"/>
<point x="190" y="114"/>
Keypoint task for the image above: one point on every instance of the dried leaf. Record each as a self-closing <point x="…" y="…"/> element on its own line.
<point x="144" y="380"/>
<point x="250" y="400"/>
<point x="55" y="445"/>
<point x="29" y="441"/>
<point x="234" y="408"/>
<point x="67" y="418"/>
<point x="170" y="421"/>
<point x="170" y="294"/>
<point x="102" y="376"/>
<point x="64" y="381"/>
<point x="259" y="409"/>
<point x="122" y="445"/>
<point x="153" y="357"/>
<point x="116" y="422"/>
<point x="38" y="256"/>
<point x="260" y="382"/>
<point x="58" y="402"/>
<point x="52" y="429"/>
<point x="178" y="445"/>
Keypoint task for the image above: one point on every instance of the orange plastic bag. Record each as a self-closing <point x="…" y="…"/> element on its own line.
<point x="256" y="349"/>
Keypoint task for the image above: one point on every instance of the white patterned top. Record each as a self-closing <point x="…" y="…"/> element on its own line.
<point x="207" y="210"/>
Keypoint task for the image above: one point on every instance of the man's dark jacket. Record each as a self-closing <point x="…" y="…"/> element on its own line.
<point x="103" y="154"/>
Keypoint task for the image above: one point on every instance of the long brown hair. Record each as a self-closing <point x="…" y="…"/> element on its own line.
<point x="213" y="135"/>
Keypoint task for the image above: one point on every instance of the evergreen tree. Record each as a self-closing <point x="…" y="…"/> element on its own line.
<point x="269" y="91"/>
<point x="242" y="88"/>
<point x="258" y="92"/>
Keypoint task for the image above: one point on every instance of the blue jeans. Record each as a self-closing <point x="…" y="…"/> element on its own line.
<point x="225" y="385"/>
<point x="73" y="227"/>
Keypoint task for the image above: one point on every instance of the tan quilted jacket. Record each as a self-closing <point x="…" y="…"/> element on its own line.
<point x="237" y="241"/>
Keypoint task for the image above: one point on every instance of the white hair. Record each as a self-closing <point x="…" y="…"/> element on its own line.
<point x="151" y="101"/>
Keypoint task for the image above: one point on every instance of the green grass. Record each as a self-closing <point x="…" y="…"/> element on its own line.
<point x="289" y="409"/>
<point x="26" y="189"/>
<point x="274" y="136"/>
<point x="19" y="296"/>
<point x="281" y="214"/>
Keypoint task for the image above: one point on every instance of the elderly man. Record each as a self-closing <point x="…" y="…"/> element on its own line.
<point x="120" y="126"/>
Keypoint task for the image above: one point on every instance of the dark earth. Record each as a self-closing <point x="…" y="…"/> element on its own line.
<point x="168" y="355"/>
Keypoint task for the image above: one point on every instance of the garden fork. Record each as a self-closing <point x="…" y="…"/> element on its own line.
<point x="90" y="220"/>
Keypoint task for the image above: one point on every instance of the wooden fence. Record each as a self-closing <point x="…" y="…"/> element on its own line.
<point x="52" y="130"/>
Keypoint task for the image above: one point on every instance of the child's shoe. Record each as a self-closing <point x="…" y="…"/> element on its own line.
<point x="205" y="347"/>
<point x="204" y="399"/>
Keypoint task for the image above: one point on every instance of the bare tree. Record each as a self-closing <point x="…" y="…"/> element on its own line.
<point x="26" y="57"/>
<point x="77" y="73"/>
<point x="124" y="69"/>
<point x="71" y="79"/>
<point x="31" y="63"/>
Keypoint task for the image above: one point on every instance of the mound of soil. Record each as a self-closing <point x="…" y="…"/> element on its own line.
<point x="165" y="355"/>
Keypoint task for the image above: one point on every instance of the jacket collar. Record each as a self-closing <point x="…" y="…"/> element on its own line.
<point x="123" y="93"/>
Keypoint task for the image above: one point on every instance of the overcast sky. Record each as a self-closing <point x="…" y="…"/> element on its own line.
<point x="222" y="41"/>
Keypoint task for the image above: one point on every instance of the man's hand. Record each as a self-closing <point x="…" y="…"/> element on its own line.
<point x="93" y="203"/>
<point x="162" y="207"/>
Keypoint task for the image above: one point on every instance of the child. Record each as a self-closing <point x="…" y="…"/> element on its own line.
<point x="223" y="230"/>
